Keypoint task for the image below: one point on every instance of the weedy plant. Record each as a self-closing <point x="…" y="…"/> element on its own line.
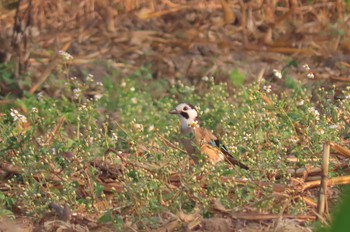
<point x="111" y="149"/>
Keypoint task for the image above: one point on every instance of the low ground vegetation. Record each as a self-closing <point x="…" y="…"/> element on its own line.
<point x="109" y="149"/>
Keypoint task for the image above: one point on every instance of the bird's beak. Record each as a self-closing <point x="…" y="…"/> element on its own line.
<point x="173" y="112"/>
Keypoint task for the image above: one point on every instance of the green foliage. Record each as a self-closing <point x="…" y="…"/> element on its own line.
<point x="61" y="137"/>
<point x="291" y="83"/>
<point x="341" y="221"/>
<point x="7" y="77"/>
<point x="116" y="220"/>
<point x="237" y="78"/>
<point x="6" y="203"/>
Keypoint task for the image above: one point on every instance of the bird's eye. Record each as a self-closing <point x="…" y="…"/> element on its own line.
<point x="185" y="108"/>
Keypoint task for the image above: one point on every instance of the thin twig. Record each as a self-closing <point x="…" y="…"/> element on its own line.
<point x="134" y="164"/>
<point x="168" y="143"/>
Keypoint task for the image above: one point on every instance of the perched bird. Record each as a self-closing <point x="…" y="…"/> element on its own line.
<point x="196" y="137"/>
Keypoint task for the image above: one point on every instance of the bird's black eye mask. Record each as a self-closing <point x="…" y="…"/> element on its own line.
<point x="192" y="107"/>
<point x="185" y="115"/>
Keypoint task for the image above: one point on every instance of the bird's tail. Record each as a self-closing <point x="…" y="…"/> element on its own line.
<point x="231" y="160"/>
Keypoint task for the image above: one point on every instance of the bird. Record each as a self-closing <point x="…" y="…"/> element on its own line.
<point x="194" y="136"/>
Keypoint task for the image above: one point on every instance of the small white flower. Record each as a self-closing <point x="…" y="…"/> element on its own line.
<point x="300" y="103"/>
<point x="90" y="77"/>
<point x="306" y="67"/>
<point x="315" y="112"/>
<point x="83" y="107"/>
<point x="91" y="140"/>
<point x="335" y="126"/>
<point x="137" y="127"/>
<point x="189" y="88"/>
<point x="65" y="55"/>
<point x="40" y="96"/>
<point x="311" y="109"/>
<point x="134" y="100"/>
<point x="17" y="116"/>
<point x="205" y="78"/>
<point x="132" y="89"/>
<point x="294" y="139"/>
<point x="320" y="131"/>
<point x="14" y="113"/>
<point x="233" y="148"/>
<point x="99" y="83"/>
<point x="98" y="96"/>
<point x="247" y="137"/>
<point x="277" y="73"/>
<point x="123" y="84"/>
<point x="310" y="75"/>
<point x="77" y="93"/>
<point x="194" y="124"/>
<point x="151" y="128"/>
<point x="267" y="88"/>
<point x="40" y="140"/>
<point x="35" y="110"/>
<point x="114" y="137"/>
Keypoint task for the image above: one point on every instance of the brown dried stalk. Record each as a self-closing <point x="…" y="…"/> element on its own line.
<point x="45" y="74"/>
<point x="301" y="171"/>
<point x="256" y="216"/>
<point x="339" y="180"/>
<point x="55" y="129"/>
<point x="322" y="201"/>
<point x="266" y="99"/>
<point x="313" y="171"/>
<point x="309" y="201"/>
<point x="340" y="149"/>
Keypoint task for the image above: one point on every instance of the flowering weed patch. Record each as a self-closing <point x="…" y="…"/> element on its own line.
<point x="110" y="149"/>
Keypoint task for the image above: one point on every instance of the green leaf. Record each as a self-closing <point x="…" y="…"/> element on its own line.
<point x="292" y="84"/>
<point x="2" y="196"/>
<point x="5" y="212"/>
<point x="237" y="78"/>
<point x="227" y="172"/>
<point x="106" y="217"/>
<point x="341" y="220"/>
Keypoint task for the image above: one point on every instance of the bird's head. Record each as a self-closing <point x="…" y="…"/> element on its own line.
<point x="188" y="115"/>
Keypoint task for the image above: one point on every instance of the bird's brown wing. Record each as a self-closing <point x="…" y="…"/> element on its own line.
<point x="210" y="144"/>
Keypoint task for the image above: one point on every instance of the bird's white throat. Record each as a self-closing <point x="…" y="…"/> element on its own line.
<point x="187" y="124"/>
